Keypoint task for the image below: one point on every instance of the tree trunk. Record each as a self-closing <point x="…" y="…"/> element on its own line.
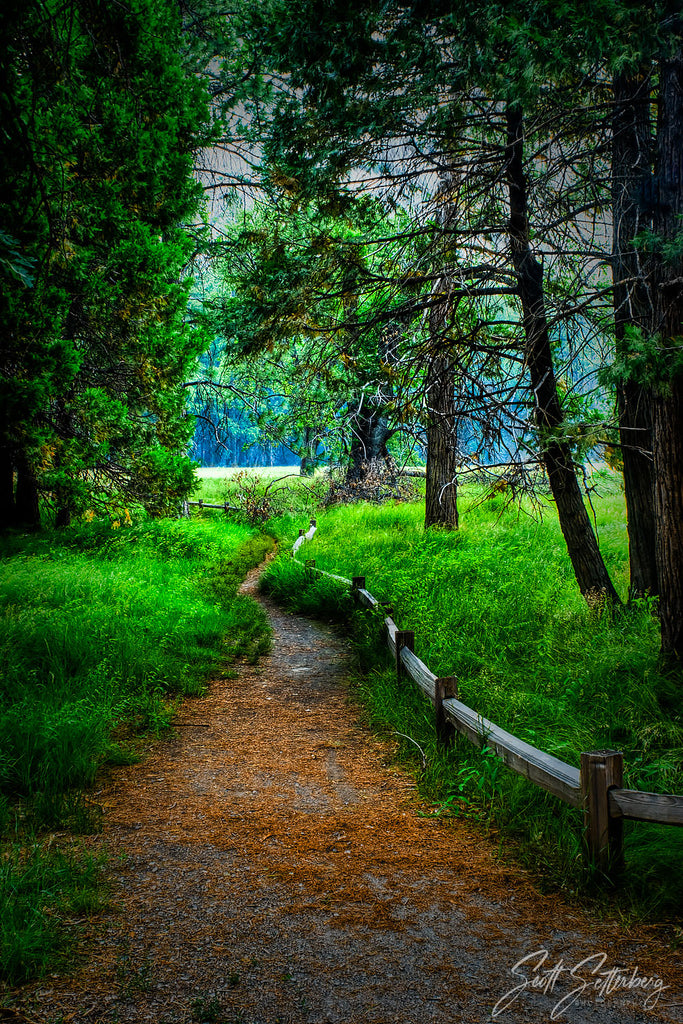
<point x="26" y="500"/>
<point x="307" y="467"/>
<point x="369" y="455"/>
<point x="7" y="508"/>
<point x="589" y="568"/>
<point x="668" y="448"/>
<point x="63" y="516"/>
<point x="441" y="503"/>
<point x="667" y="409"/>
<point x="631" y="156"/>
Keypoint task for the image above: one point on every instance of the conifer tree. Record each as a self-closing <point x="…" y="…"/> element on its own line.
<point x="102" y="113"/>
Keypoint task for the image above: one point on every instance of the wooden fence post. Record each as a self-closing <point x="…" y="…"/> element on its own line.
<point x="444" y="687"/>
<point x="314" y="522"/>
<point x="601" y="770"/>
<point x="404" y="638"/>
<point x="357" y="583"/>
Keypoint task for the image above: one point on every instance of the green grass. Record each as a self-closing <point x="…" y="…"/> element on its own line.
<point x="102" y="632"/>
<point x="496" y="605"/>
<point x="42" y="890"/>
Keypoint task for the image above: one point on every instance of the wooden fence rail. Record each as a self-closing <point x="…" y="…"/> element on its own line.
<point x="596" y="787"/>
<point x="207" y="504"/>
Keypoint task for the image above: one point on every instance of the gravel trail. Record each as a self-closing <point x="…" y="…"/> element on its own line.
<point x="271" y="866"/>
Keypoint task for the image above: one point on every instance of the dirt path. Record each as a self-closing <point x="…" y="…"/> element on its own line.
<point x="274" y="865"/>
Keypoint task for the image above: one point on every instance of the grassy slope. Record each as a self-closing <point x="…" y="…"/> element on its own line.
<point x="496" y="605"/>
<point x="101" y="632"/>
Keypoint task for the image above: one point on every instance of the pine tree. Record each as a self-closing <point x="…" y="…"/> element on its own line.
<point x="102" y="114"/>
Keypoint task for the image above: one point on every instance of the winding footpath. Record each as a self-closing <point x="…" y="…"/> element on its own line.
<point x="270" y="866"/>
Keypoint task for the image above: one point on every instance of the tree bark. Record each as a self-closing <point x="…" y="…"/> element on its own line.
<point x="307" y="466"/>
<point x="667" y="419"/>
<point x="441" y="501"/>
<point x="7" y="508"/>
<point x="591" y="574"/>
<point x="631" y="157"/>
<point x="369" y="455"/>
<point x="26" y="499"/>
<point x="441" y="505"/>
<point x="667" y="409"/>
<point x="63" y="516"/>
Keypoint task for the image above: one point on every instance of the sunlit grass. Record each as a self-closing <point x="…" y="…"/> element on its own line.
<point x="225" y="472"/>
<point x="264" y="493"/>
<point x="89" y="640"/>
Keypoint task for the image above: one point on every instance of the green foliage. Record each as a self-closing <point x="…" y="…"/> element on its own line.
<point x="644" y="360"/>
<point x="670" y="249"/>
<point x="496" y="604"/>
<point x="309" y="331"/>
<point x="296" y="587"/>
<point x="342" y="124"/>
<point x="12" y="263"/>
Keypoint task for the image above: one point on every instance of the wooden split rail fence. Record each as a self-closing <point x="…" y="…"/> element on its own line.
<point x="596" y="787"/>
